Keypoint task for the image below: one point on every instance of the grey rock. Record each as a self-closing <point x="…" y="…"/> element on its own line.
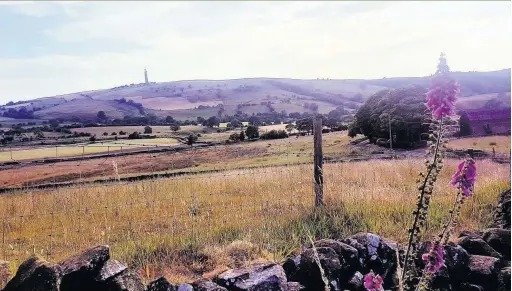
<point x="309" y="272"/>
<point x="161" y="284"/>
<point x="294" y="286"/>
<point x="477" y="246"/>
<point x="348" y="255"/>
<point x="504" y="279"/>
<point x="456" y="260"/>
<point x="207" y="285"/>
<point x="356" y="282"/>
<point x="110" y="269"/>
<point x="257" y="277"/>
<point x="80" y="271"/>
<point x="291" y="268"/>
<point x="471" y="234"/>
<point x="126" y="281"/>
<point x="499" y="239"/>
<point x="35" y="275"/>
<point x="185" y="287"/>
<point x="483" y="271"/>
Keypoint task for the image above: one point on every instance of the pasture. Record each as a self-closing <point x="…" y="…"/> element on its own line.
<point x="270" y="209"/>
<point x="501" y="144"/>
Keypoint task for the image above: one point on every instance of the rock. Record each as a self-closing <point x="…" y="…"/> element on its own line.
<point x="291" y="268"/>
<point x="257" y="277"/>
<point x="483" y="271"/>
<point x="309" y="272"/>
<point x="504" y="279"/>
<point x="79" y="271"/>
<point x="294" y="286"/>
<point x="456" y="260"/>
<point x="348" y="255"/>
<point x="477" y="246"/>
<point x="376" y="255"/>
<point x="110" y="269"/>
<point x="502" y="213"/>
<point x="35" y="274"/>
<point x="161" y="284"/>
<point x="499" y="239"/>
<point x="185" y="287"/>
<point x="207" y="285"/>
<point x="4" y="272"/>
<point x="356" y="282"/>
<point x="126" y="281"/>
<point x="471" y="287"/>
<point x="471" y="234"/>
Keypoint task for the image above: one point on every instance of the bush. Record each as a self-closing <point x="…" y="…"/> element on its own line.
<point x="325" y="130"/>
<point x="274" y="134"/>
<point x="234" y="137"/>
<point x="252" y="132"/>
<point x="134" y="135"/>
<point x="122" y="133"/>
<point x="148" y="130"/>
<point x="105" y="133"/>
<point x="114" y="133"/>
<point x="92" y="138"/>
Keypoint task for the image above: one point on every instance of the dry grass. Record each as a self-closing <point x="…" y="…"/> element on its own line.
<point x="501" y="144"/>
<point x="187" y="222"/>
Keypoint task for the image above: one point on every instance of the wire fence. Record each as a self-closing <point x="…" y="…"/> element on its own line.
<point x="118" y="200"/>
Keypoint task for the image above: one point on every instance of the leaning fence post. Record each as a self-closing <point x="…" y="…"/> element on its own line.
<point x="318" y="161"/>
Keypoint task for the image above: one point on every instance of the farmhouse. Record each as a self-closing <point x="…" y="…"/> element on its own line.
<point x="489" y="121"/>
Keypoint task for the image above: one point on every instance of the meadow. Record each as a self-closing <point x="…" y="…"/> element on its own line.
<point x="501" y="144"/>
<point x="187" y="226"/>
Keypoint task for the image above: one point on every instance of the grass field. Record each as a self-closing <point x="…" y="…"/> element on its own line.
<point x="79" y="149"/>
<point x="184" y="227"/>
<point x="501" y="144"/>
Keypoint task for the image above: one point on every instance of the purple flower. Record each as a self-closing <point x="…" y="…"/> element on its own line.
<point x="441" y="96"/>
<point x="434" y="258"/>
<point x="373" y="282"/>
<point x="465" y="177"/>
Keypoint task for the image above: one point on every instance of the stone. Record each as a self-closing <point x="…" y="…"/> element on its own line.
<point x="126" y="281"/>
<point x="291" y="268"/>
<point x="79" y="271"/>
<point x="471" y="287"/>
<point x="309" y="272"/>
<point x="35" y="274"/>
<point x="471" y="234"/>
<point x="185" y="287"/>
<point x="161" y="284"/>
<point x="348" y="255"/>
<point x="356" y="282"/>
<point x="294" y="286"/>
<point x="376" y="255"/>
<point x="257" y="277"/>
<point x="502" y="213"/>
<point x="456" y="260"/>
<point x="483" y="271"/>
<point x="477" y="246"/>
<point x="5" y="274"/>
<point x="504" y="279"/>
<point x="207" y="285"/>
<point x="499" y="239"/>
<point x="110" y="269"/>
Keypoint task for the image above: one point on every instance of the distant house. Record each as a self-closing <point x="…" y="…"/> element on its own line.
<point x="489" y="121"/>
<point x="245" y="123"/>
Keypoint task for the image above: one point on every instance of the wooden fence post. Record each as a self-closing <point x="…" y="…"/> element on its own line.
<point x="318" y="161"/>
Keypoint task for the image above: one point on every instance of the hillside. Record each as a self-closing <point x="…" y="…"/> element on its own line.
<point x="203" y="98"/>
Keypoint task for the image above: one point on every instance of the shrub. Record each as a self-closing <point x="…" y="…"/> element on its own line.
<point x="274" y="134"/>
<point x="148" y="130"/>
<point x="105" y="133"/>
<point x="134" y="135"/>
<point x="92" y="138"/>
<point x="252" y="132"/>
<point x="114" y="133"/>
<point x="122" y="132"/>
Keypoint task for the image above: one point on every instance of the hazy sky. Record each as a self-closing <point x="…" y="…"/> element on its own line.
<point x="62" y="47"/>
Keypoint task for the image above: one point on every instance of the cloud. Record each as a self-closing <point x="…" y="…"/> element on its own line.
<point x="109" y="43"/>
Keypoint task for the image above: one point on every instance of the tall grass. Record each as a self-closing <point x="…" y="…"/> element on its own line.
<point x="194" y="223"/>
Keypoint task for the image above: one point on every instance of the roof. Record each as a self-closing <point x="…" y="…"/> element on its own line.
<point x="488" y="114"/>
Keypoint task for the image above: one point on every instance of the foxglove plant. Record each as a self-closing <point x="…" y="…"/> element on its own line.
<point x="464" y="181"/>
<point x="440" y="101"/>
<point x="373" y="282"/>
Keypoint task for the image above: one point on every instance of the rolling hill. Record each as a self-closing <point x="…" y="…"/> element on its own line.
<point x="194" y="98"/>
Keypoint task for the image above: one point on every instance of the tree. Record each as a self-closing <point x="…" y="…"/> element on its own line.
<point x="169" y="119"/>
<point x="290" y="127"/>
<point x="234" y="137"/>
<point x="304" y="125"/>
<point x="252" y="132"/>
<point x="212" y="121"/>
<point x="235" y="123"/>
<point x="191" y="139"/>
<point x="105" y="133"/>
<point x="465" y="125"/>
<point x="175" y="127"/>
<point x="113" y="133"/>
<point x="92" y="138"/>
<point x="403" y="109"/>
<point x="134" y="135"/>
<point x="148" y="130"/>
<point x="101" y="115"/>
<point x="242" y="135"/>
<point x="254" y="120"/>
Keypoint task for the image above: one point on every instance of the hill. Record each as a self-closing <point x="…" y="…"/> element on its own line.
<point x="204" y="98"/>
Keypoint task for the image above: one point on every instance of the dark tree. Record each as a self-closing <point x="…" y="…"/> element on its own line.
<point x="252" y="132"/>
<point x="101" y="115"/>
<point x="212" y="121"/>
<point x="148" y="130"/>
<point x="191" y="139"/>
<point x="242" y="135"/>
<point x="464" y="125"/>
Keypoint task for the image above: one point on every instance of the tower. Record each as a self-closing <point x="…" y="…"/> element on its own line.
<point x="146" y="76"/>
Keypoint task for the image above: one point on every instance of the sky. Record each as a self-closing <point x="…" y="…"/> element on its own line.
<point x="51" y="48"/>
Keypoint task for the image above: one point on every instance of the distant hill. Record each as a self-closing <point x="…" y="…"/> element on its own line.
<point x="194" y="98"/>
